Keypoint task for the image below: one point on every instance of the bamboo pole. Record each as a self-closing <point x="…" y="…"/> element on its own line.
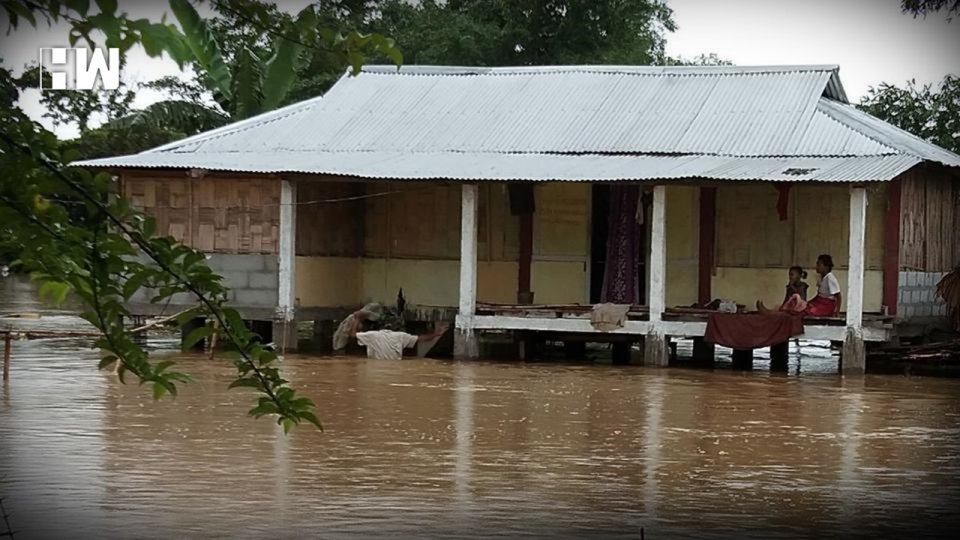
<point x="164" y="320"/>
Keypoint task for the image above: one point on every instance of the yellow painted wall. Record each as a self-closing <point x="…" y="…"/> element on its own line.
<point x="747" y="285"/>
<point x="561" y="224"/>
<point x="437" y="283"/>
<point x="333" y="281"/>
<point x="559" y="282"/>
<point x="426" y="282"/>
<point x="328" y="281"/>
<point x="683" y="245"/>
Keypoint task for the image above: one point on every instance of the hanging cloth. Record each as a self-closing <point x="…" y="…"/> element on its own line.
<point x="621" y="277"/>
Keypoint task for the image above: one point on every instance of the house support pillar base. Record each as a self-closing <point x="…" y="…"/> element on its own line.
<point x="853" y="356"/>
<point x="466" y="345"/>
<point x="285" y="336"/>
<point x="743" y="359"/>
<point x="656" y="350"/>
<point x="703" y="353"/>
<point x="779" y="356"/>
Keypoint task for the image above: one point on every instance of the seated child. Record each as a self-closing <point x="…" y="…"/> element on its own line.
<point x="827" y="301"/>
<point x="795" y="299"/>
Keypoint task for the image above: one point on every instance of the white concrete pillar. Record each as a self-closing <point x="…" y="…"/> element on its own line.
<point x="465" y="341"/>
<point x="854" y="358"/>
<point x="285" y="334"/>
<point x="655" y="344"/>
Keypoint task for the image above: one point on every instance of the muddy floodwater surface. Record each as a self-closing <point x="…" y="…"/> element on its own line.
<point x="430" y="449"/>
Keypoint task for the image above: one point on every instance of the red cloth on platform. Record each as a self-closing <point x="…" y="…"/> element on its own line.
<point x="821" y="306"/>
<point x="752" y="330"/>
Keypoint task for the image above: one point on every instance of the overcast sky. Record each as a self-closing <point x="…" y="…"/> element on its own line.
<point x="871" y="41"/>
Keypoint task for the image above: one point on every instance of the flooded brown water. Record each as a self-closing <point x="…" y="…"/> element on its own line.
<point x="435" y="449"/>
<point x="426" y="448"/>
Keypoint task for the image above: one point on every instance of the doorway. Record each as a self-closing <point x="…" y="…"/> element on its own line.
<point x="599" y="232"/>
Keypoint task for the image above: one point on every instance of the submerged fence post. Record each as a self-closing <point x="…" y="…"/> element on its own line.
<point x="7" y="344"/>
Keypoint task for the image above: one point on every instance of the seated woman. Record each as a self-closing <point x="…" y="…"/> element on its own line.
<point x="827" y="301"/>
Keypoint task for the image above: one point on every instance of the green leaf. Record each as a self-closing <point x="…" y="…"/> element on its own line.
<point x="264" y="408"/>
<point x="247" y="83"/>
<point x="288" y="424"/>
<point x="355" y="59"/>
<point x="312" y="418"/>
<point x="56" y="292"/>
<point x="162" y="366"/>
<point x="158" y="390"/>
<point x="79" y="6"/>
<point x="108" y="6"/>
<point x="186" y="316"/>
<point x="192" y="259"/>
<point x="281" y="71"/>
<point x="136" y="281"/>
<point x="21" y="10"/>
<point x="201" y="40"/>
<point x="195" y="336"/>
<point x="107" y="361"/>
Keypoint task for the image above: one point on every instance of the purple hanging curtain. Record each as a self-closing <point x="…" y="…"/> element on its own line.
<point x="621" y="277"/>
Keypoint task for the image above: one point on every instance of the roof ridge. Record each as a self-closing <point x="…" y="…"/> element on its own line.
<point x="830" y="117"/>
<point x="851" y="110"/>
<point x="428" y="69"/>
<point x="239" y="126"/>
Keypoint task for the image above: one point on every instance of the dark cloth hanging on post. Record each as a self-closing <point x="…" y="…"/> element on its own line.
<point x="752" y="330"/>
<point x="620" y="280"/>
<point x="783" y="200"/>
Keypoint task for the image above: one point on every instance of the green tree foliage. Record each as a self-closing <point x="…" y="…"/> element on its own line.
<point x="919" y="8"/>
<point x="251" y="65"/>
<point x="927" y="112"/>
<point x="78" y="107"/>
<point x="700" y="60"/>
<point x="495" y="33"/>
<point x="527" y="32"/>
<point x="66" y="227"/>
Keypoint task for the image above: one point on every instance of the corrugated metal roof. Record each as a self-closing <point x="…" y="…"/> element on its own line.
<point x="536" y="167"/>
<point x="887" y="134"/>
<point x="465" y="123"/>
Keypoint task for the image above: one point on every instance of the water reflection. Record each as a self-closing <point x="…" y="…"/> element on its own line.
<point x="463" y="452"/>
<point x="433" y="449"/>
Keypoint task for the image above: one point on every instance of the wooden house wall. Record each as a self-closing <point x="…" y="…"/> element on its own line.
<point x="330" y="219"/>
<point x="215" y="214"/>
<point x="421" y="220"/>
<point x="929" y="226"/>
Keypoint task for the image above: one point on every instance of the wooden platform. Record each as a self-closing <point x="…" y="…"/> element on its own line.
<point x="642" y="313"/>
<point x="678" y="322"/>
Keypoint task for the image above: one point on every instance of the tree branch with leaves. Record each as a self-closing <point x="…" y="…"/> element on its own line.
<point x="103" y="251"/>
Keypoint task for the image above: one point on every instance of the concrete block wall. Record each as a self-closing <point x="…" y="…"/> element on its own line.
<point x="253" y="281"/>
<point x="916" y="297"/>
